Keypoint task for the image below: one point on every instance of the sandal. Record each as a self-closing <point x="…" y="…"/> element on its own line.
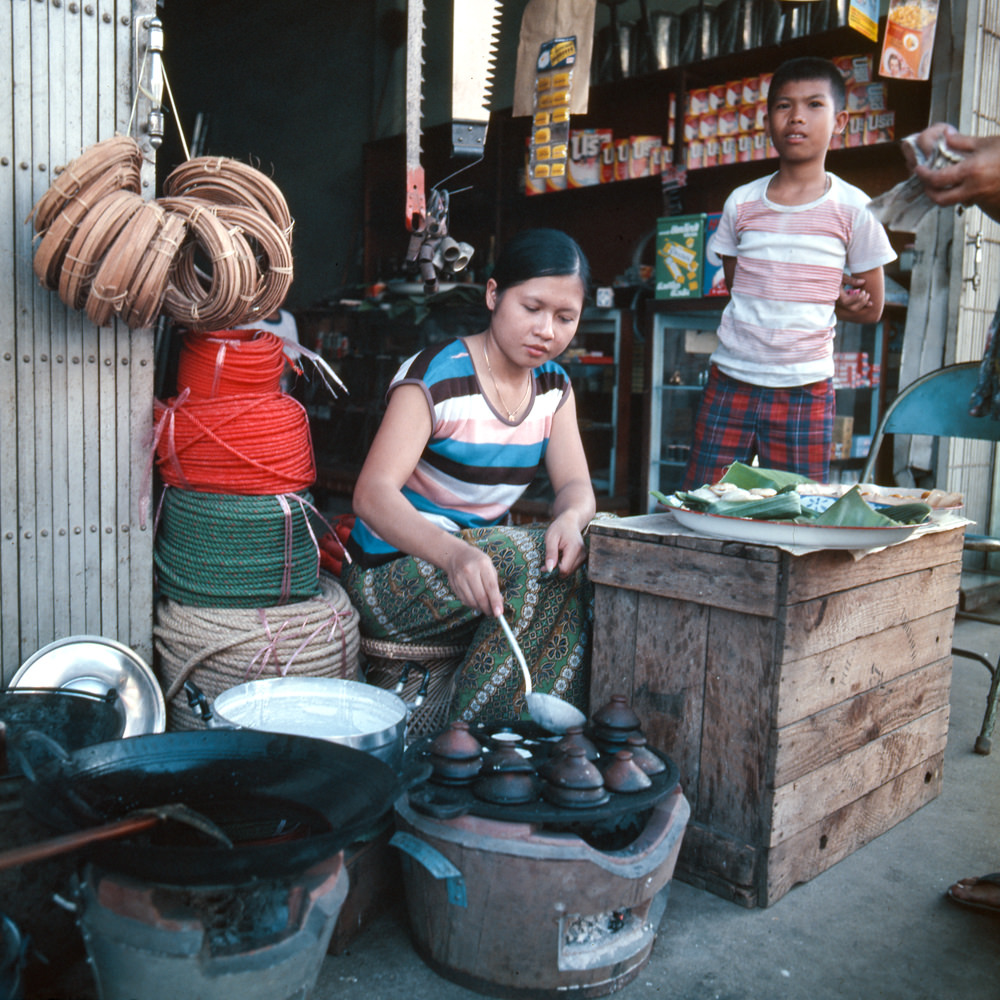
<point x="972" y="904"/>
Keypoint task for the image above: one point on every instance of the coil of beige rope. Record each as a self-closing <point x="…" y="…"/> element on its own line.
<point x="219" y="648"/>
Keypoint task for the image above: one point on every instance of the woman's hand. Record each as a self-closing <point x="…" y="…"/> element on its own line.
<point x="564" y="545"/>
<point x="473" y="578"/>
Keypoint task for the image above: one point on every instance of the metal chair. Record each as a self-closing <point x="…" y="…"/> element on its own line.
<point x="937" y="405"/>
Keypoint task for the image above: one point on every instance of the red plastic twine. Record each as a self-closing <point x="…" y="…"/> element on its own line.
<point x="230" y="362"/>
<point x="257" y="444"/>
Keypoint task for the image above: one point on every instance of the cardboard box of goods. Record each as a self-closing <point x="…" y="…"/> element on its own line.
<point x="711" y="152"/>
<point x="713" y="280"/>
<point x="866" y="97"/>
<point x="747" y="120"/>
<point x="729" y="121"/>
<point x="855" y="134"/>
<point x="744" y="147"/>
<point x="880" y="126"/>
<point x="716" y="97"/>
<point x="692" y="127"/>
<point x="909" y="38"/>
<point x="751" y="89"/>
<point x="680" y="248"/>
<point x="643" y="159"/>
<point x="765" y="86"/>
<point x="622" y="151"/>
<point x="761" y="146"/>
<point x="734" y="93"/>
<point x="694" y="153"/>
<point x="584" y="166"/>
<point x="727" y="149"/>
<point x="708" y="125"/>
<point x="607" y="157"/>
<point x="854" y="69"/>
<point x="760" y="117"/>
<point x="697" y="101"/>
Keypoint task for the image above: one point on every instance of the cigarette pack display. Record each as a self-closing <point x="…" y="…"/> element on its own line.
<point x="680" y="242"/>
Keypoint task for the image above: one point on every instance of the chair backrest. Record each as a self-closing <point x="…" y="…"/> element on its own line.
<point x="936" y="404"/>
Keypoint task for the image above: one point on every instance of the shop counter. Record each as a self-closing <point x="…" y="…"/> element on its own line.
<point x="804" y="697"/>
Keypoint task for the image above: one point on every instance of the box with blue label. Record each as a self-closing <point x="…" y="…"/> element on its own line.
<point x="680" y="248"/>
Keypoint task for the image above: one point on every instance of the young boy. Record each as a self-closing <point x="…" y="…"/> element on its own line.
<point x="785" y="241"/>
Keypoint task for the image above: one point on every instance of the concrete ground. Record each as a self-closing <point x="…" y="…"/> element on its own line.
<point x="875" y="926"/>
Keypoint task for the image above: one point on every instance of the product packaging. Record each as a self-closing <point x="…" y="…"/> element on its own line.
<point x="909" y="39"/>
<point x="680" y="247"/>
<point x="584" y="166"/>
<point x="713" y="280"/>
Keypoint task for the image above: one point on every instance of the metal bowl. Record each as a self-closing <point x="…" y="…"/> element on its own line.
<point x="96" y="665"/>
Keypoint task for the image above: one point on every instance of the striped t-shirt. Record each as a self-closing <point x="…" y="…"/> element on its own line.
<point x="477" y="463"/>
<point x="778" y="327"/>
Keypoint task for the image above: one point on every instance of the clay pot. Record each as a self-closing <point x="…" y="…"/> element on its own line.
<point x="643" y="756"/>
<point x="624" y="775"/>
<point x="506" y="777"/>
<point x="614" y="723"/>
<point x="574" y="737"/>
<point x="455" y="755"/>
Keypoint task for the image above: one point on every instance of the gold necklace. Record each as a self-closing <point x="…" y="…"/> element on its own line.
<point x="510" y="413"/>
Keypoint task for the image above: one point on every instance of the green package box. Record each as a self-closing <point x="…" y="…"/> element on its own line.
<point x="680" y="256"/>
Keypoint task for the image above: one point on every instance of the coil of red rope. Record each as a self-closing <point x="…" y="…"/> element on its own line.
<point x="248" y="445"/>
<point x="230" y="362"/>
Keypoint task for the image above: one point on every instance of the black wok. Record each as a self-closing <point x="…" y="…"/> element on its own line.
<point x="74" y="719"/>
<point x="287" y="802"/>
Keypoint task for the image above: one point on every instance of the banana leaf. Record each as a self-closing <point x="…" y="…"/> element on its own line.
<point x="852" y="511"/>
<point x="749" y="477"/>
<point x="907" y="513"/>
<point x="781" y="507"/>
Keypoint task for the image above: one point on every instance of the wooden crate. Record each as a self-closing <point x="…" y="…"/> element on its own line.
<point x="804" y="698"/>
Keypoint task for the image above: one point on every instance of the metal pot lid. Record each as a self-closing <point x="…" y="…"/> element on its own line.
<point x="97" y="665"/>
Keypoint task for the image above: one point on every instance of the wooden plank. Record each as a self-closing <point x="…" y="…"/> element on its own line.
<point x="806" y="801"/>
<point x="839" y="618"/>
<point x="826" y="572"/>
<point x="735" y="731"/>
<point x="832" y="734"/>
<point x="829" y="677"/>
<point x="685" y="574"/>
<point x="725" y="865"/>
<point x="669" y="690"/>
<point x="612" y="664"/>
<point x="813" y="850"/>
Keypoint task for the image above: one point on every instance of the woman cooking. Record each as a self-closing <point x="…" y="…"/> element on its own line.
<point x="467" y="425"/>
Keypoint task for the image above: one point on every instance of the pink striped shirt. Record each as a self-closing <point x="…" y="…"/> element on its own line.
<point x="778" y="327"/>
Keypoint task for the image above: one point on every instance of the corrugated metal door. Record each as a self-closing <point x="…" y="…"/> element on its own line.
<point x="75" y="400"/>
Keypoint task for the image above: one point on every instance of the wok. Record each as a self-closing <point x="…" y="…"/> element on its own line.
<point x="286" y="802"/>
<point x="74" y="719"/>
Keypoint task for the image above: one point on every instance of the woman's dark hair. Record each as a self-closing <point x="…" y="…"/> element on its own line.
<point x="540" y="253"/>
<point x="809" y="68"/>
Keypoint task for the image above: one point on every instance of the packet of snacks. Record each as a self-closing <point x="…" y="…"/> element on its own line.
<point x="909" y="39"/>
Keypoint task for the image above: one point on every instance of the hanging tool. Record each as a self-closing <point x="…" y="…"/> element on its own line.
<point x="475" y="27"/>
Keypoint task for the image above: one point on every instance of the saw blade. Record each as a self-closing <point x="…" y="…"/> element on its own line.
<point x="474" y="51"/>
<point x="416" y="209"/>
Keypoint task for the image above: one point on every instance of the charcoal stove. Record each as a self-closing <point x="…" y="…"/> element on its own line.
<point x="536" y="899"/>
<point x="266" y="940"/>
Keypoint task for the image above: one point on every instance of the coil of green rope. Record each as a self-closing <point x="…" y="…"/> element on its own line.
<point x="222" y="550"/>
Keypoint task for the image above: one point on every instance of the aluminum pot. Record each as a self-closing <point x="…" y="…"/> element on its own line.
<point x="350" y="713"/>
<point x="699" y="33"/>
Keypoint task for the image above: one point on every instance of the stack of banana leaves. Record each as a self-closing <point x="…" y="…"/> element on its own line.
<point x="784" y="502"/>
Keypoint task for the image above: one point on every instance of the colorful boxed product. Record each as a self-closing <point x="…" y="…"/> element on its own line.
<point x="607" y="158"/>
<point x="854" y="69"/>
<point x="622" y="152"/>
<point x="880" y="126"/>
<point x="866" y="97"/>
<point x="713" y="279"/>
<point x="727" y="149"/>
<point x="744" y="147"/>
<point x="734" y="93"/>
<point x="680" y="246"/>
<point x="751" y="89"/>
<point x="692" y="127"/>
<point x="729" y="121"/>
<point x="765" y="86"/>
<point x="716" y="97"/>
<point x="694" y="153"/>
<point x="711" y="152"/>
<point x="698" y="101"/>
<point x="855" y="135"/>
<point x="708" y="125"/>
<point x="584" y="165"/>
<point x="644" y="158"/>
<point x="909" y="38"/>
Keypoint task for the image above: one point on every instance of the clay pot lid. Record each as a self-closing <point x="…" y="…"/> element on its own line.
<point x="575" y="737"/>
<point x="617" y="715"/>
<point x="456" y="743"/>
<point x="572" y="770"/>
<point x="506" y="759"/>
<point x="643" y="756"/>
<point x="624" y="775"/>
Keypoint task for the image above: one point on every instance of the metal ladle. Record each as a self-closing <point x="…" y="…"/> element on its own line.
<point x="550" y="712"/>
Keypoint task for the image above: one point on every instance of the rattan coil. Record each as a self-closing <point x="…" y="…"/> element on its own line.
<point x="95" y="234"/>
<point x="119" y="154"/>
<point x="148" y="284"/>
<point x="227" y="181"/>
<point x="218" y="648"/>
<point x="224" y="298"/>
<point x="435" y="666"/>
<point x="119" y="267"/>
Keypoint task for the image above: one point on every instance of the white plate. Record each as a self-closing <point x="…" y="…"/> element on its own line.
<point x="94" y="664"/>
<point x="813" y="536"/>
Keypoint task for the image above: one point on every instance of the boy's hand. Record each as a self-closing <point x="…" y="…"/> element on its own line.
<point x="853" y="298"/>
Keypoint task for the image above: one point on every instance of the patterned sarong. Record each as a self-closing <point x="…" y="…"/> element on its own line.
<point x="409" y="600"/>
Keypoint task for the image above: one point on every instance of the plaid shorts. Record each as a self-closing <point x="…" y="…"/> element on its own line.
<point x="788" y="428"/>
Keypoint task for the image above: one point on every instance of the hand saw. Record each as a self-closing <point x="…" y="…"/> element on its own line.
<point x="476" y="26"/>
